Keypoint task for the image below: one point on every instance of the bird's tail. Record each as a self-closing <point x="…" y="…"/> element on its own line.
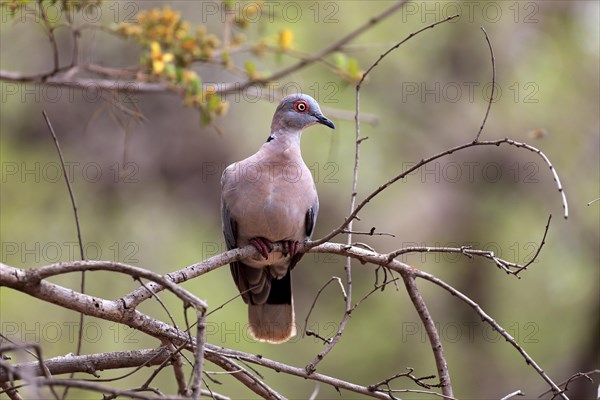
<point x="274" y="320"/>
<point x="273" y="323"/>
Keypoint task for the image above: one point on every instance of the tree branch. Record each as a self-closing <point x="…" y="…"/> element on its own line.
<point x="432" y="333"/>
<point x="426" y="161"/>
<point x="90" y="363"/>
<point x="326" y="51"/>
<point x="117" y="312"/>
<point x="489" y="106"/>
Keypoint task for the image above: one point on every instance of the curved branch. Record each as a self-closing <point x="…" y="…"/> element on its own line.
<point x="489" y="106"/>
<point x="425" y="161"/>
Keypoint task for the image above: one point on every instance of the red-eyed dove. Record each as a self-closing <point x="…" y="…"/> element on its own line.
<point x="271" y="197"/>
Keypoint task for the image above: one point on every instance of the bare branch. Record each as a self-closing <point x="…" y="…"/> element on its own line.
<point x="50" y="32"/>
<point x="381" y="259"/>
<point x="394" y="47"/>
<point x="349" y="222"/>
<point x="326" y="51"/>
<point x="432" y="332"/>
<point x="92" y="386"/>
<point x="513" y="394"/>
<point x="115" y="311"/>
<point x="593" y="201"/>
<point x="312" y="306"/>
<point x="70" y="189"/>
<point x="485" y="317"/>
<point x="89" y="363"/>
<point x="10" y="391"/>
<point x="300" y="372"/>
<point x="40" y="363"/>
<point x="179" y="375"/>
<point x="369" y="233"/>
<point x="425" y="161"/>
<point x="199" y="353"/>
<point x="409" y="374"/>
<point x="73" y="203"/>
<point x="537" y="253"/>
<point x="489" y="106"/>
<point x="574" y="377"/>
<point x="470" y="252"/>
<point x="375" y="289"/>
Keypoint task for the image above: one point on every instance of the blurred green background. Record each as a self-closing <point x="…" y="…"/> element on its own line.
<point x="149" y="195"/>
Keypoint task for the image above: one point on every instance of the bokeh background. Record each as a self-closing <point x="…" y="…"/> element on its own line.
<point x="148" y="192"/>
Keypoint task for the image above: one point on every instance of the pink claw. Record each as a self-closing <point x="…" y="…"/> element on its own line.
<point x="263" y="246"/>
<point x="290" y="247"/>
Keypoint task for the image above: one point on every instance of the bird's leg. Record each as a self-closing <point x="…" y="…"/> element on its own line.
<point x="264" y="246"/>
<point x="290" y="247"/>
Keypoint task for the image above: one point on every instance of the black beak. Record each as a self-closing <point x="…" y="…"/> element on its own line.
<point x="321" y="119"/>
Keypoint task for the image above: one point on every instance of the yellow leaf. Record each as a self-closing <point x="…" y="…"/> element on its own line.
<point x="286" y="37"/>
<point x="155" y="50"/>
<point x="158" y="66"/>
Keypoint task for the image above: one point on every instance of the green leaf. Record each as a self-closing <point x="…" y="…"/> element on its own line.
<point x="170" y="72"/>
<point x="178" y="75"/>
<point x="213" y="103"/>
<point x="250" y="68"/>
<point x="205" y="116"/>
<point x="353" y="68"/>
<point x="340" y="60"/>
<point x="195" y="85"/>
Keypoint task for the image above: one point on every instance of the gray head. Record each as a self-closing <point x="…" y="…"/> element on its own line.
<point x="296" y="112"/>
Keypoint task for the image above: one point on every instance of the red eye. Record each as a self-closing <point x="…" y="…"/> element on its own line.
<point x="301" y="106"/>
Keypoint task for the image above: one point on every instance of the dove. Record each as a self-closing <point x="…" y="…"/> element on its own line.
<point x="267" y="198"/>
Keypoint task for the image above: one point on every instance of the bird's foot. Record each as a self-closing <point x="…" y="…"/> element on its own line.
<point x="290" y="247"/>
<point x="264" y="246"/>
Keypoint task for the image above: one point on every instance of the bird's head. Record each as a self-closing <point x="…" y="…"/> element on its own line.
<point x="296" y="112"/>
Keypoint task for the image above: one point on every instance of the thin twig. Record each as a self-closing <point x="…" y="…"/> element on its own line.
<point x="312" y="306"/>
<point x="179" y="375"/>
<point x="77" y="225"/>
<point x="513" y="394"/>
<point x="469" y="252"/>
<point x="369" y="233"/>
<point x="163" y="306"/>
<point x="11" y="392"/>
<point x="432" y="332"/>
<point x="40" y="363"/>
<point x="593" y="201"/>
<point x="174" y="355"/>
<point x="73" y="204"/>
<point x="394" y="47"/>
<point x="407" y="374"/>
<point x="376" y="288"/>
<point x="489" y="106"/>
<point x="52" y="37"/>
<point x="542" y="243"/>
<point x="575" y="377"/>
